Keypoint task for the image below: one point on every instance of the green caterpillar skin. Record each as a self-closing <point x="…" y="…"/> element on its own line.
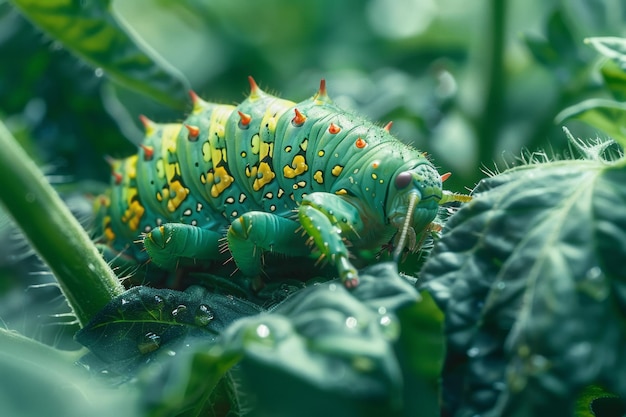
<point x="248" y="169"/>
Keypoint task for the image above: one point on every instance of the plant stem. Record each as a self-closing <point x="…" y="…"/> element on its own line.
<point x="493" y="110"/>
<point x="85" y="279"/>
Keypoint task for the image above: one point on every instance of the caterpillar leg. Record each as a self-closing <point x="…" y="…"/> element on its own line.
<point x="255" y="232"/>
<point x="328" y="219"/>
<point x="167" y="244"/>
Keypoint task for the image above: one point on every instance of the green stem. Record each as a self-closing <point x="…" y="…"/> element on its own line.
<point x="85" y="279"/>
<point x="490" y="125"/>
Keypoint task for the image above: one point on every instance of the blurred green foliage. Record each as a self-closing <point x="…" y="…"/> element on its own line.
<point x="471" y="83"/>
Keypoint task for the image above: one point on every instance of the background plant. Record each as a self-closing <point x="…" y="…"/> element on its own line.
<point x="470" y="88"/>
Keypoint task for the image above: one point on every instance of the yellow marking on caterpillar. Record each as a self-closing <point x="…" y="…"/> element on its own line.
<point x="223" y="181"/>
<point x="134" y="212"/>
<point x="109" y="234"/>
<point x="256" y="144"/>
<point x="206" y="151"/>
<point x="264" y="176"/>
<point x="319" y="177"/>
<point x="177" y="194"/>
<point x="304" y="144"/>
<point x="131" y="167"/>
<point x="160" y="170"/>
<point x="298" y="166"/>
<point x="342" y="191"/>
<point x="336" y="170"/>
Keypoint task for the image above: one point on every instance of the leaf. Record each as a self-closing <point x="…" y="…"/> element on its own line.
<point x="89" y="30"/>
<point x="324" y="351"/>
<point x="144" y="322"/>
<point x="597" y="402"/>
<point x="611" y="47"/>
<point x="607" y="115"/>
<point x="615" y="79"/>
<point x="531" y="278"/>
<point x="29" y="368"/>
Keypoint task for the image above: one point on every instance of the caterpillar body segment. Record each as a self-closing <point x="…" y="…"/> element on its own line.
<point x="270" y="175"/>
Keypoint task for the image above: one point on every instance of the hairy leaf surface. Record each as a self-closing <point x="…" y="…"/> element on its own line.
<point x="531" y="278"/>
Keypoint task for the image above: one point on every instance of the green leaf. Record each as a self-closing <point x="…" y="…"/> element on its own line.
<point x="143" y="322"/>
<point x="90" y="30"/>
<point x="607" y="115"/>
<point x="597" y="402"/>
<point x="611" y="47"/>
<point x="531" y="278"/>
<point x="324" y="351"/>
<point x="28" y="369"/>
<point x="615" y="79"/>
<point x="542" y="50"/>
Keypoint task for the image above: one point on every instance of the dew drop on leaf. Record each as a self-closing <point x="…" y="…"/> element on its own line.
<point x="595" y="284"/>
<point x="159" y="302"/>
<point x="351" y="322"/>
<point x="263" y="331"/>
<point x="204" y="315"/>
<point x="390" y="326"/>
<point x="179" y="310"/>
<point x="151" y="342"/>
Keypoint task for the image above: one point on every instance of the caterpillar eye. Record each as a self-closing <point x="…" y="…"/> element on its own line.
<point x="403" y="180"/>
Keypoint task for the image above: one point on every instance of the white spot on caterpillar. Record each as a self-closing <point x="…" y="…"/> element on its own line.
<point x="230" y="200"/>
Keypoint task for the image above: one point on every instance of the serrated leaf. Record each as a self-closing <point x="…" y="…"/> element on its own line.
<point x="607" y="115"/>
<point x="143" y="322"/>
<point x="90" y="30"/>
<point x="532" y="281"/>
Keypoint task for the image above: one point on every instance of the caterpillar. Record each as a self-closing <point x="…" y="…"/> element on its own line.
<point x="275" y="176"/>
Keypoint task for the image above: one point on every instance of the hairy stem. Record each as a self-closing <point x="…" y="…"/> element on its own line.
<point x="85" y="279"/>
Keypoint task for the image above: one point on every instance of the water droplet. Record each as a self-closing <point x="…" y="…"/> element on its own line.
<point x="595" y="284"/>
<point x="98" y="72"/>
<point x="351" y="322"/>
<point x="204" y="315"/>
<point x="151" y="342"/>
<point x="473" y="352"/>
<point x="382" y="310"/>
<point x="263" y="331"/>
<point x="91" y="267"/>
<point x="171" y="353"/>
<point x="124" y="301"/>
<point x="390" y="326"/>
<point x="159" y="302"/>
<point x="500" y="286"/>
<point x="332" y="287"/>
<point x="179" y="310"/>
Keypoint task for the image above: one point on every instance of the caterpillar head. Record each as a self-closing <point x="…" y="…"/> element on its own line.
<point x="414" y="198"/>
